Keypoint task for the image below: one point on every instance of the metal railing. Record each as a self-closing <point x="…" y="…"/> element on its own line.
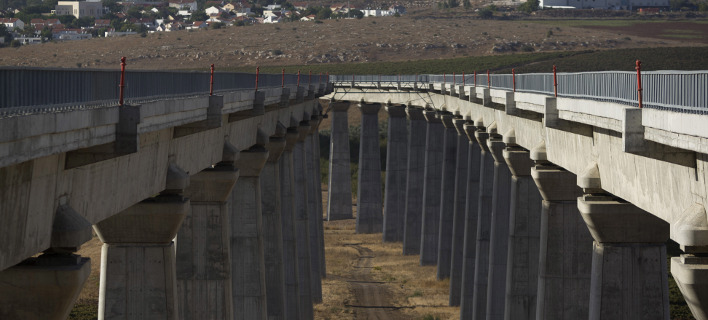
<point x="685" y="91"/>
<point x="35" y="87"/>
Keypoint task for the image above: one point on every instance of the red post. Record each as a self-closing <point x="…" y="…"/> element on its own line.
<point x="258" y="72"/>
<point x="309" y="79"/>
<point x="555" y="82"/>
<point x="513" y="78"/>
<point x="639" y="82"/>
<point x="454" y="79"/>
<point x="282" y="81"/>
<point x="489" y="80"/>
<point x="463" y="79"/>
<point x="444" y="78"/>
<point x="298" y="78"/>
<point x="475" y="78"/>
<point x="122" y="80"/>
<point x="211" y="82"/>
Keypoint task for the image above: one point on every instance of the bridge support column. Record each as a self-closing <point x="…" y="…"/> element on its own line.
<point x="369" y="217"/>
<point x="339" y="204"/>
<point x="629" y="260"/>
<point x="315" y="136"/>
<point x="138" y="279"/>
<point x="397" y="155"/>
<point x="458" y="220"/>
<point x="312" y="203"/>
<point x="247" y="257"/>
<point x="47" y="286"/>
<point x="435" y="133"/>
<point x="272" y="226"/>
<point x="203" y="263"/>
<point x="415" y="176"/>
<point x="499" y="232"/>
<point x="524" y="235"/>
<point x="447" y="197"/>
<point x="690" y="270"/>
<point x="462" y="277"/>
<point x="565" y="255"/>
<point x="302" y="232"/>
<point x="478" y="293"/>
<point x="287" y="194"/>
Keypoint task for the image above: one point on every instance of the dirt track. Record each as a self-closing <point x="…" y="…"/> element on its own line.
<point x="372" y="298"/>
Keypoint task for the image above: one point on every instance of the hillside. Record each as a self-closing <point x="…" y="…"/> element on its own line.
<point x="428" y="35"/>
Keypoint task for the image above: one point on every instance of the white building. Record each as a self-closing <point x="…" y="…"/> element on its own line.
<point x="190" y="5"/>
<point x="12" y="23"/>
<point x="212" y="11"/>
<point x="79" y="9"/>
<point x="375" y="13"/>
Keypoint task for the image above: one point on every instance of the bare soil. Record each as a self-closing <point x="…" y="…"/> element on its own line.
<point x="674" y="30"/>
<point x="421" y="35"/>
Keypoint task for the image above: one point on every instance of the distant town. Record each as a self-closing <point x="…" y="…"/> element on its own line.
<point x="78" y="20"/>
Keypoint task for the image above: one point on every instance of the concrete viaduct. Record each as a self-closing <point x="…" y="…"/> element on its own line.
<point x="539" y="205"/>
<point x="535" y="206"/>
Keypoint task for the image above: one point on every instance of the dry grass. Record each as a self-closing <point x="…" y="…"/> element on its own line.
<point x="410" y="286"/>
<point x="426" y="35"/>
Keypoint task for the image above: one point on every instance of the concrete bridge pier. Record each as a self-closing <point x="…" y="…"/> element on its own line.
<point x="369" y="218"/>
<point x="691" y="268"/>
<point x="478" y="293"/>
<point x="247" y="256"/>
<point x="138" y="279"/>
<point x="397" y="154"/>
<point x="302" y="232"/>
<point x="565" y="256"/>
<point x="272" y="226"/>
<point x="462" y="278"/>
<point x="429" y="237"/>
<point x="315" y="136"/>
<point x="458" y="219"/>
<point x="46" y="287"/>
<point x="629" y="260"/>
<point x="415" y="177"/>
<point x="313" y="221"/>
<point x="203" y="242"/>
<point x="339" y="202"/>
<point x="287" y="196"/>
<point x="447" y="196"/>
<point x="524" y="231"/>
<point x="499" y="232"/>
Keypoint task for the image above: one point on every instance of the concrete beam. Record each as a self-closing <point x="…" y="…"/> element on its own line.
<point x="311" y="169"/>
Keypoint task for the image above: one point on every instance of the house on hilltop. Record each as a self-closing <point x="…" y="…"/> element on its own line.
<point x="12" y="23"/>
